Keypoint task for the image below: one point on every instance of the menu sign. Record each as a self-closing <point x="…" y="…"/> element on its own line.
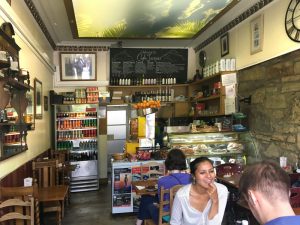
<point x="150" y="63"/>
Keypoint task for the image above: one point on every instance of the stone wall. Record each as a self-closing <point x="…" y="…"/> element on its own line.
<point x="274" y="113"/>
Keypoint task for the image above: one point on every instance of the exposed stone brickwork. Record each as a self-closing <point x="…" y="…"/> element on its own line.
<point x="274" y="114"/>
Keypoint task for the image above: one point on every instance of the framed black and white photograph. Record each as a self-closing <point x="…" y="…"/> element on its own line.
<point x="38" y="95"/>
<point x="224" y="40"/>
<point x="256" y="29"/>
<point x="78" y="66"/>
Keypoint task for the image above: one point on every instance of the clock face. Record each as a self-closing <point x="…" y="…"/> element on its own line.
<point x="292" y="20"/>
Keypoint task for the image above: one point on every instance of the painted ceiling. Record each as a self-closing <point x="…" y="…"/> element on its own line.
<point x="142" y="19"/>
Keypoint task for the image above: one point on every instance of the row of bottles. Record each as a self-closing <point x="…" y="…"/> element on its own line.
<point x="11" y="138"/>
<point x="83" y="156"/>
<point x="64" y="145"/>
<point x="162" y="95"/>
<point x="142" y="80"/>
<point x="76" y="115"/>
<point x="76" y="134"/>
<point x="88" y="145"/>
<point x="76" y="124"/>
<point x="83" y="145"/>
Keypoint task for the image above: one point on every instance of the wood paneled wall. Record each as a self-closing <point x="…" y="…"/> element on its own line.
<point x="16" y="178"/>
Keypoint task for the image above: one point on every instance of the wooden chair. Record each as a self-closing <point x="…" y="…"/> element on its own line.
<point x="295" y="197"/>
<point x="46" y="175"/>
<point x="65" y="169"/>
<point x="164" y="216"/>
<point x="24" y="194"/>
<point x="20" y="205"/>
<point x="173" y="191"/>
<point x="22" y="211"/>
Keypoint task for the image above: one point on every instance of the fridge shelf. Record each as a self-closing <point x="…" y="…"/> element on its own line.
<point x="76" y="130"/>
<point x="71" y="129"/>
<point x="81" y="139"/>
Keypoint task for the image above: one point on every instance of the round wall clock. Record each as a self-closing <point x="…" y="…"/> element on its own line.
<point x="202" y="58"/>
<point x="292" y="20"/>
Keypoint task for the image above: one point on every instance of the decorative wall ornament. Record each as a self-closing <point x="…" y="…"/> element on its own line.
<point x="257" y="34"/>
<point x="224" y="41"/>
<point x="40" y="22"/>
<point x="73" y="48"/>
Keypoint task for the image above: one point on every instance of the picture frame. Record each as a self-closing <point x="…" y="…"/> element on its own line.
<point x="224" y="41"/>
<point x="38" y="91"/>
<point x="78" y="66"/>
<point x="257" y="32"/>
<point x="29" y="113"/>
<point x="46" y="103"/>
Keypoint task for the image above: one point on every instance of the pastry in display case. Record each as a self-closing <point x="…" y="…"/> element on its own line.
<point x="206" y="144"/>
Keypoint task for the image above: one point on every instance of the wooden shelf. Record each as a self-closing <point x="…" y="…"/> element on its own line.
<point x="4" y="64"/>
<point x="148" y="86"/>
<point x="206" y="99"/>
<point x="15" y="84"/>
<point x="211" y="77"/>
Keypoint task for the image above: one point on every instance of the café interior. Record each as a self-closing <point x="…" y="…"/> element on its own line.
<point x="82" y="143"/>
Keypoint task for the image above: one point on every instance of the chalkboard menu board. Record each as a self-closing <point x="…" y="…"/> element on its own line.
<point x="149" y="63"/>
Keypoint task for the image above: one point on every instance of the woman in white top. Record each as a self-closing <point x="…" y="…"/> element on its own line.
<point x="203" y="202"/>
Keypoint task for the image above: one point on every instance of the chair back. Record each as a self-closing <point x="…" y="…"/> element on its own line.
<point x="228" y="168"/>
<point x="23" y="193"/>
<point x="295" y="197"/>
<point x="19" y="205"/>
<point x="46" y="172"/>
<point x="164" y="216"/>
<point x="63" y="156"/>
<point x="173" y="191"/>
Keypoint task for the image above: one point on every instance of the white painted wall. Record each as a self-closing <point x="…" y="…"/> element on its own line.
<point x="276" y="41"/>
<point x="38" y="64"/>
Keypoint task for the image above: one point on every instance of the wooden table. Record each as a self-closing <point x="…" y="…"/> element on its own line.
<point x="54" y="193"/>
<point x="145" y="184"/>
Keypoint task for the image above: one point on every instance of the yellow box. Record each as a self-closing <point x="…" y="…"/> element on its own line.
<point x="131" y="147"/>
<point x="141" y="126"/>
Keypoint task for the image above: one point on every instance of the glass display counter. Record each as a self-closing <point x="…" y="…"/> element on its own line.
<point x="225" y="145"/>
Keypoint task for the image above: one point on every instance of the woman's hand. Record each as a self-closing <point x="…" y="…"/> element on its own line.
<point x="212" y="192"/>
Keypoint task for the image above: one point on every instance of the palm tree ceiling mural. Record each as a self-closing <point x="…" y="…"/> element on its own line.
<point x="170" y="19"/>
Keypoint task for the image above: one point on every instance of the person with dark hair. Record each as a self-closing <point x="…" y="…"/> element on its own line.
<point x="265" y="187"/>
<point x="203" y="202"/>
<point x="175" y="166"/>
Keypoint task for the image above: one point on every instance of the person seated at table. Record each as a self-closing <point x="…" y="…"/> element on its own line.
<point x="175" y="166"/>
<point x="203" y="202"/>
<point x="265" y="187"/>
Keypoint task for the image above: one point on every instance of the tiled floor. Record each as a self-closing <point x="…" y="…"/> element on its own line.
<point x="92" y="208"/>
